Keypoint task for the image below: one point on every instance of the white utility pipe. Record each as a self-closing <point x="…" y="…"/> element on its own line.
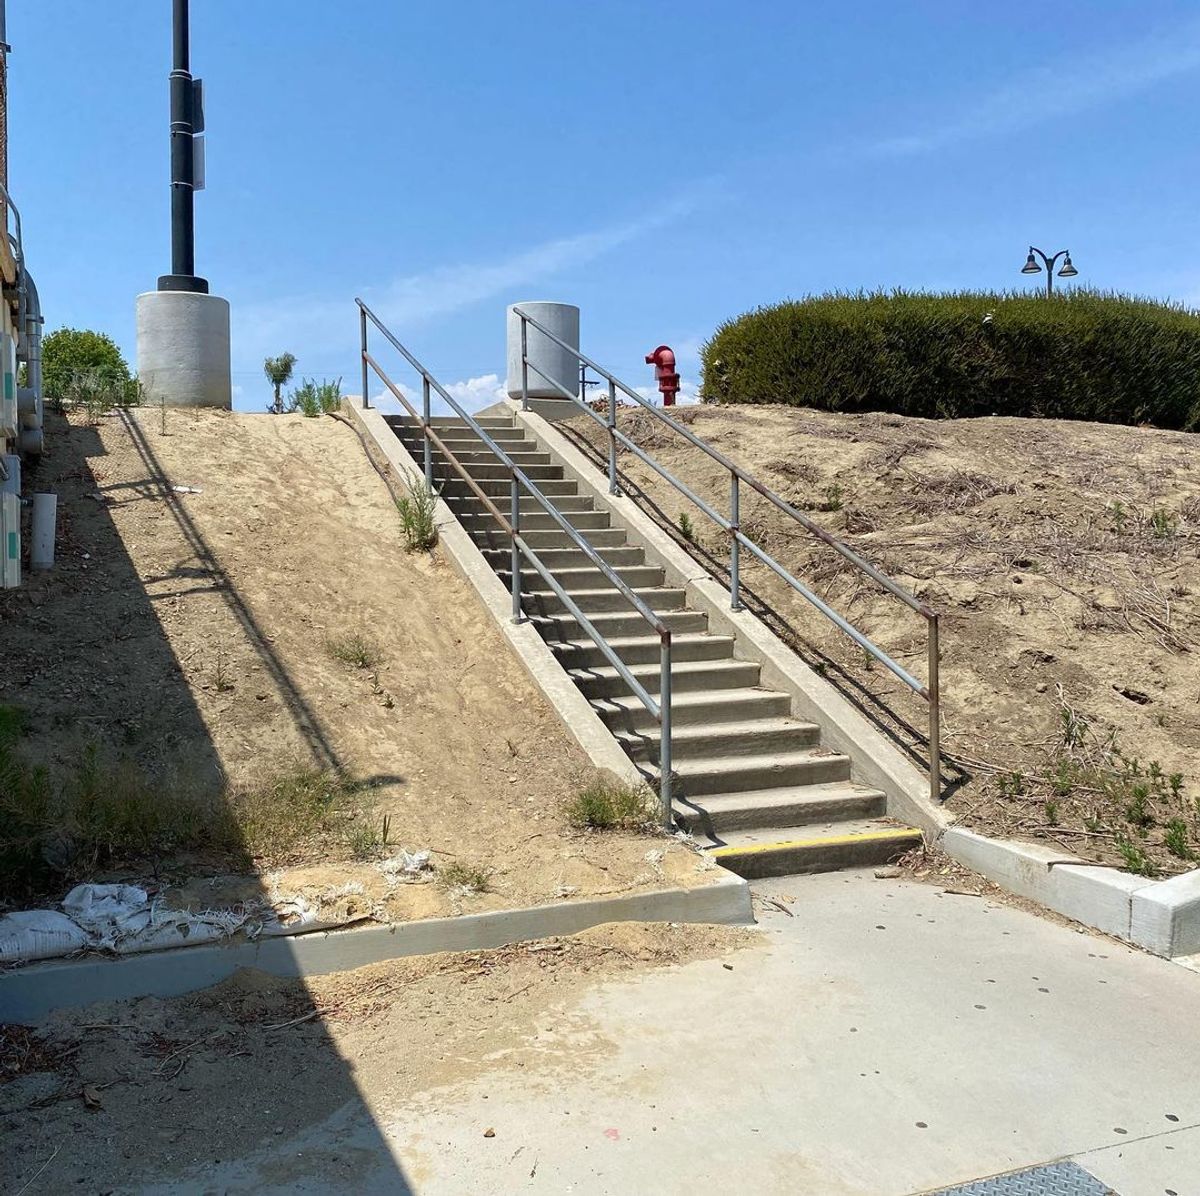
<point x="45" y="515"/>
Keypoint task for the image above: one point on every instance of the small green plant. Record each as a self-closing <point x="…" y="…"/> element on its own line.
<point x="221" y="677"/>
<point x="607" y="806"/>
<point x="355" y="649"/>
<point x="466" y="878"/>
<point x="1050" y="808"/>
<point x="1163" y="525"/>
<point x="416" y="508"/>
<point x="1176" y="840"/>
<point x="1136" y="859"/>
<point x="833" y="498"/>
<point x="313" y="398"/>
<point x="1138" y="812"/>
<point x="366" y="841"/>
<point x="686" y="530"/>
<point x="1120" y="516"/>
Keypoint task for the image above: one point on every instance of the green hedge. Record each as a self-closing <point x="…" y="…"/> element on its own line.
<point x="1082" y="355"/>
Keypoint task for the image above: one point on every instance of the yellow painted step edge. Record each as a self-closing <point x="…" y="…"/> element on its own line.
<point x="900" y="834"/>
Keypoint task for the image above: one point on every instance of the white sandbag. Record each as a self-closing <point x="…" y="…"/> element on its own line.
<point x="38" y="934"/>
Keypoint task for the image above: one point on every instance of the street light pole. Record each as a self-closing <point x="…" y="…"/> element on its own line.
<point x="1031" y="267"/>
<point x="183" y="163"/>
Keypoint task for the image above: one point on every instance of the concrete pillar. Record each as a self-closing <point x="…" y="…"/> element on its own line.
<point x="183" y="349"/>
<point x="563" y="320"/>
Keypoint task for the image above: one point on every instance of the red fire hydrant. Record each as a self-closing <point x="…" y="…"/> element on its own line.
<point x="663" y="360"/>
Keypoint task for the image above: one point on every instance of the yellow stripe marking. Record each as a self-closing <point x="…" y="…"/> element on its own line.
<point x="833" y="841"/>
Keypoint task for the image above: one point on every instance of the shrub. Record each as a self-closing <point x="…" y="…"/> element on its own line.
<point x="606" y="806"/>
<point x="417" y="508"/>
<point x="1081" y="355"/>
<point x="316" y="398"/>
<point x="96" y="393"/>
<point x="68" y="352"/>
<point x="95" y="813"/>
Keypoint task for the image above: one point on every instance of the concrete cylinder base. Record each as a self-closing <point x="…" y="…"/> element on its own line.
<point x="551" y="360"/>
<point x="183" y="349"/>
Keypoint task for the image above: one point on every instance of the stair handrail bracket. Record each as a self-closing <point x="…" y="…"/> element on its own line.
<point x="520" y="482"/>
<point x="929" y="690"/>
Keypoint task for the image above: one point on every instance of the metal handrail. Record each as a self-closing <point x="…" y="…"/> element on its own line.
<point x="930" y="690"/>
<point x="660" y="709"/>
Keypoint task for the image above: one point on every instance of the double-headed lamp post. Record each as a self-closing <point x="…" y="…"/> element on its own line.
<point x="1031" y="266"/>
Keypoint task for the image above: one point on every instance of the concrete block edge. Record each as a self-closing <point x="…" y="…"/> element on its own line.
<point x="28" y="994"/>
<point x="1161" y="916"/>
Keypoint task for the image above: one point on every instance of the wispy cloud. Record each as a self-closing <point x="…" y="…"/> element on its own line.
<point x="1058" y="89"/>
<point x="318" y="322"/>
<point x="472" y="395"/>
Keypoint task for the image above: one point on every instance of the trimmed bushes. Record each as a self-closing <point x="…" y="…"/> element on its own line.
<point x="1081" y="355"/>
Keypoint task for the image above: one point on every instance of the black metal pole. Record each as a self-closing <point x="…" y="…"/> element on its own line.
<point x="183" y="211"/>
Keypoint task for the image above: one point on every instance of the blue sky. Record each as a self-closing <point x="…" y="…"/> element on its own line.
<point x="664" y="165"/>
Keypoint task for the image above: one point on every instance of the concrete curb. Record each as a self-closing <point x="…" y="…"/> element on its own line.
<point x="30" y="993"/>
<point x="581" y="721"/>
<point x="1162" y="916"/>
<point x="875" y="760"/>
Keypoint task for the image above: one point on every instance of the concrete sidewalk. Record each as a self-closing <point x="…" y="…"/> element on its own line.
<point x="886" y="1039"/>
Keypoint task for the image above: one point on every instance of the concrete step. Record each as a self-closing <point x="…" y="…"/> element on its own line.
<point x="753" y="738"/>
<point x="501" y="487"/>
<point x="776" y="852"/>
<point x="463" y="447"/>
<point x="711" y="815"/>
<point x="577" y="511"/>
<point x="643" y="649"/>
<point x="625" y="712"/>
<point x="471" y="458"/>
<point x="456" y="423"/>
<point x="558" y="629"/>
<point x="737" y="774"/>
<point x="551" y="538"/>
<point x="592" y="578"/>
<point x="546" y="602"/>
<point x="494" y="469"/>
<point x="686" y="675"/>
<point x="570" y="558"/>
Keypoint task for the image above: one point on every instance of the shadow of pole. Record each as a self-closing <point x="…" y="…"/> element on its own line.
<point x="305" y="718"/>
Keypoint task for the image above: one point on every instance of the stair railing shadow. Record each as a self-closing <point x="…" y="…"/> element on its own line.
<point x="882" y="714"/>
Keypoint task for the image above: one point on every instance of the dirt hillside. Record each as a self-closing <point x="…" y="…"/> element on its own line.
<point x="1063" y="559"/>
<point x="207" y="563"/>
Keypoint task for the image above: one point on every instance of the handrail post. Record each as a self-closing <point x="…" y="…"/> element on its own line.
<point x="362" y="319"/>
<point x="515" y="559"/>
<point x="735" y="548"/>
<point x="613" y="488"/>
<point x="425" y="431"/>
<point x="935" y="716"/>
<point x="524" y="364"/>
<point x="664" y="724"/>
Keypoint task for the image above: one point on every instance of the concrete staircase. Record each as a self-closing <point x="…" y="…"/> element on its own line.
<point x="753" y="784"/>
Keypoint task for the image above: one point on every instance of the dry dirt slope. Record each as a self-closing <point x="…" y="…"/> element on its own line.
<point x="205" y="563"/>
<point x="1060" y="554"/>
